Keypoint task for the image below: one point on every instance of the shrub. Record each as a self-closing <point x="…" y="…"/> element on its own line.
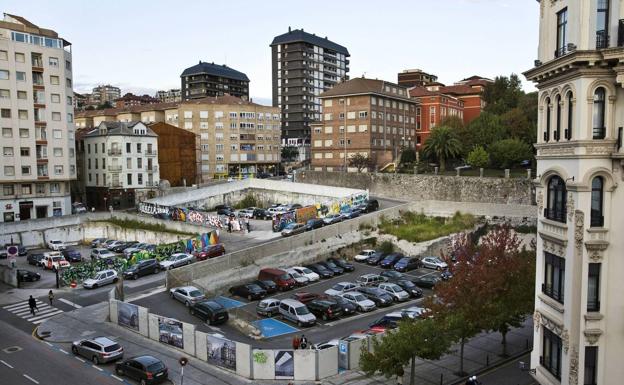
<point x="248" y="201"/>
<point x="415" y="227"/>
<point x="478" y="157"/>
<point x="509" y="152"/>
<point x="386" y="247"/>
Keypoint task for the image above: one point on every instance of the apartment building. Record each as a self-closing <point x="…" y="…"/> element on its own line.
<point x="37" y="121"/>
<point x="415" y="78"/>
<point x="470" y="92"/>
<point x="210" y="79"/>
<point x="130" y="99"/>
<point x="371" y="117"/>
<point x="172" y="95"/>
<point x="579" y="307"/>
<point x="121" y="164"/>
<point x="177" y="154"/>
<point x="434" y="106"/>
<point x="304" y="65"/>
<point x="104" y="94"/>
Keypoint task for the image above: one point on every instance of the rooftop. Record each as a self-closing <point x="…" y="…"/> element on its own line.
<point x="119" y="128"/>
<point x="299" y="35"/>
<point x="215" y="70"/>
<point x="365" y="86"/>
<point x="20" y="24"/>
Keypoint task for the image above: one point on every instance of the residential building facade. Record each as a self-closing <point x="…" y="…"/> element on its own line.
<point x="37" y="121"/>
<point x="304" y="65"/>
<point x="121" y="164"/>
<point x="104" y="94"/>
<point x="209" y="79"/>
<point x="177" y="154"/>
<point x="130" y="99"/>
<point x="579" y="307"/>
<point x="374" y="118"/>
<point x="170" y="96"/>
<point x="415" y="78"/>
<point x="434" y="107"/>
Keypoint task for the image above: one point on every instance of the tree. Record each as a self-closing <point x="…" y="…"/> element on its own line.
<point x="482" y="131"/>
<point x="519" y="125"/>
<point x="427" y="339"/>
<point x="454" y="122"/>
<point x="289" y="153"/>
<point x="360" y="161"/>
<point x="104" y="105"/>
<point x="408" y="155"/>
<point x="509" y="152"/>
<point x="441" y="145"/>
<point x="503" y="94"/>
<point x="478" y="157"/>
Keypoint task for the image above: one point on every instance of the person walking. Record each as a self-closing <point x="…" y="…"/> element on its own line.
<point x="32" y="304"/>
<point x="303" y="342"/>
<point x="50" y="297"/>
<point x="229" y="222"/>
<point x="295" y="343"/>
<point x="248" y="225"/>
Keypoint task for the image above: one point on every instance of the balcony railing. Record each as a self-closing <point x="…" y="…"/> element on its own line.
<point x="114" y="184"/>
<point x="555" y="215"/>
<point x="114" y="168"/>
<point x="151" y="152"/>
<point x="114" y="151"/>
<point x="560" y="51"/>
<point x="152" y="168"/>
<point x="602" y="40"/>
<point x="596" y="220"/>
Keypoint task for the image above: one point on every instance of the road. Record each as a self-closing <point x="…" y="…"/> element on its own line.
<point x="509" y="374"/>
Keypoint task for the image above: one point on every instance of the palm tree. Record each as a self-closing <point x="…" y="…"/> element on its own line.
<point x="442" y="144"/>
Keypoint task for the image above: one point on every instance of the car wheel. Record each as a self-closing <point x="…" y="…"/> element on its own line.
<point x="438" y="268"/>
<point x="359" y="308"/>
<point x="119" y="371"/>
<point x="115" y="280"/>
<point x="75" y="350"/>
<point x="249" y="297"/>
<point x="95" y="286"/>
<point x="136" y="276"/>
<point x="95" y="360"/>
<point x="187" y="304"/>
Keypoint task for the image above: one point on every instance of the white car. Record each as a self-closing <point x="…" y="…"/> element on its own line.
<point x="102" y="253"/>
<point x="396" y="291"/>
<point x="363" y="255"/>
<point x="312" y="276"/>
<point x="188" y="295"/>
<point x="434" y="263"/>
<point x="246" y="213"/>
<point x="413" y="311"/>
<point x="359" y="300"/>
<point x="101" y="278"/>
<point x="326" y="345"/>
<point x="341" y="288"/>
<point x="53" y="261"/>
<point x="56" y="245"/>
<point x="177" y="260"/>
<point x="113" y="244"/>
<point x="299" y="278"/>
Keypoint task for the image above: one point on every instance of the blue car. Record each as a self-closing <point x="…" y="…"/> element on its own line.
<point x="389" y="261"/>
<point x="407" y="264"/>
<point x="72" y="255"/>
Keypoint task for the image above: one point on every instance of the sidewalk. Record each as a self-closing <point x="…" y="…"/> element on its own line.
<point x="11" y="295"/>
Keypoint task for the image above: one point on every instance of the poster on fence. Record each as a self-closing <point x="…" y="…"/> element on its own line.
<point x="128" y="315"/>
<point x="221" y="351"/>
<point x="170" y="332"/>
<point x="284" y="364"/>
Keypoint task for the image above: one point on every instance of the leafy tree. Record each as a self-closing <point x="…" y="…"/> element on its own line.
<point x="104" y="105"/>
<point x="478" y="157"/>
<point x="289" y="153"/>
<point x="482" y="131"/>
<point x="519" y="125"/>
<point x="509" y="152"/>
<point x="452" y="121"/>
<point x="408" y="156"/>
<point x="360" y="161"/>
<point x="89" y="108"/>
<point x="386" y="247"/>
<point x="502" y="95"/>
<point x="442" y="144"/>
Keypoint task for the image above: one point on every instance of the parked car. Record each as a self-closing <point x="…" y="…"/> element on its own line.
<point x="210" y="311"/>
<point x="369" y="280"/>
<point x="314" y="223"/>
<point x="413" y="312"/>
<point x="347" y="307"/>
<point x="390" y="275"/>
<point x="98" y="350"/>
<point x="299" y="279"/>
<point x="434" y="263"/>
<point x="446" y="275"/>
<point x="327" y="345"/>
<point x="330" y="219"/>
<point x="375" y="258"/>
<point x="280" y="277"/>
<point x="296" y="312"/>
<point x="309" y="274"/>
<point x="305" y="297"/>
<point x="390" y="259"/>
<point x="325" y="309"/>
<point x="101" y="278"/>
<point x="371" y="205"/>
<point x="112" y="244"/>
<point x="341" y="288"/>
<point x="351" y="213"/>
<point x="120" y="247"/>
<point x="268" y="307"/>
<point x="224" y="210"/>
<point x="407" y="264"/>
<point x="428" y="281"/>
<point x="54" y="261"/>
<point x="362" y="303"/>
<point x="108" y="242"/>
<point x="78" y="208"/>
<point x="144" y="267"/>
<point x="102" y="254"/>
<point x="293" y="229"/>
<point x="188" y="295"/>
<point x="145" y="369"/>
<point x="35" y="259"/>
<point x="250" y="291"/>
<point x="97" y="242"/>
<point x="388" y="321"/>
<point x="177" y="260"/>
<point x="397" y="293"/>
<point x="269" y="286"/>
<point x="211" y="251"/>
<point x="246" y="213"/>
<point x="375" y="294"/>
<point x="410" y="287"/>
<point x="27" y="276"/>
<point x="262" y="214"/>
<point x="322" y="271"/>
<point x="337" y="270"/>
<point x="346" y="266"/>
<point x="363" y="255"/>
<point x="72" y="255"/>
<point x="56" y="245"/>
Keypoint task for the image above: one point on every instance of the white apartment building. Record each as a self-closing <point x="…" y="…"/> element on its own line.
<point x="579" y="306"/>
<point x="36" y="119"/>
<point x="120" y="164"/>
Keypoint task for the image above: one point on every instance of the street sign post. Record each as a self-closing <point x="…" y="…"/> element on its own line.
<point x="183" y="361"/>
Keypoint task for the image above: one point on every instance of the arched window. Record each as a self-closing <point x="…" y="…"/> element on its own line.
<point x="547" y="131"/>
<point x="558" y="128"/>
<point x="556" y="208"/>
<point x="599" y="113"/>
<point x="568" y="131"/>
<point x="597" y="219"/>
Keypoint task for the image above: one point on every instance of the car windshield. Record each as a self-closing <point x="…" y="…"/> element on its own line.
<point x="294" y="274"/>
<point x="394" y="288"/>
<point x="195" y="293"/>
<point x="407" y="283"/>
<point x="263" y="304"/>
<point x="112" y="348"/>
<point x="254" y="287"/>
<point x="55" y="242"/>
<point x="302" y="310"/>
<point x="56" y="259"/>
<point x="291" y="226"/>
<point x="307" y="271"/>
<point x="338" y="286"/>
<point x="359" y="297"/>
<point x="284" y="277"/>
<point x="155" y="367"/>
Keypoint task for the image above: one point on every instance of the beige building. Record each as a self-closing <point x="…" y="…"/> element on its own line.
<point x="36" y="117"/>
<point x="579" y="307"/>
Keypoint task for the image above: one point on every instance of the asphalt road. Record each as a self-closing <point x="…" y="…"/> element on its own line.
<point x="509" y="374"/>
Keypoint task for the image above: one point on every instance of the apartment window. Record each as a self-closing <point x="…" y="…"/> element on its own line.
<point x="593" y="287"/>
<point x="591" y="363"/>
<point x="57" y="151"/>
<point x="554" y="277"/>
<point x="599" y="113"/>
<point x="22" y="95"/>
<point x="25" y="170"/>
<point x="89" y="164"/>
<point x="7" y="151"/>
<point x="96" y="163"/>
<point x="97" y="179"/>
<point x="55" y="80"/>
<point x="128" y="163"/>
<point x="551" y="353"/>
<point x="5" y="113"/>
<point x="128" y="148"/>
<point x="188" y="114"/>
<point x="139" y="163"/>
<point x="53" y="62"/>
<point x="556" y="201"/>
<point x="547" y="133"/>
<point x="19" y="57"/>
<point x="558" y="126"/>
<point x="40" y="188"/>
<point x="219" y="147"/>
<point x="22" y="114"/>
<point x="602" y="24"/>
<point x="8" y="189"/>
<point x="4" y="55"/>
<point x="24" y="132"/>
<point x="562" y="31"/>
<point x="54" y="187"/>
<point x="140" y="179"/>
<point x="4" y="75"/>
<point x="5" y="94"/>
<point x="570" y="115"/>
<point x="26" y="189"/>
<point x="203" y="114"/>
<point x="351" y="115"/>
<point x="68" y="82"/>
<point x="363" y="114"/>
<point x="58" y="170"/>
<point x="55" y="98"/>
<point x="58" y="134"/>
<point x="129" y="178"/>
<point x="9" y="170"/>
<point x="68" y="65"/>
<point x="56" y="116"/>
<point x="597" y="218"/>
<point x="24" y="151"/>
<point x="138" y="146"/>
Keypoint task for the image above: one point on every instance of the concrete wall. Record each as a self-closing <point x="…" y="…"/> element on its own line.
<point x="153" y="327"/>
<point x="188" y="333"/>
<point x="243" y="360"/>
<point x="354" y="353"/>
<point x="144" y="321"/>
<point x="8" y="275"/>
<point x="427" y="187"/>
<point x="112" y="311"/>
<point x="201" y="351"/>
<point x="327" y="363"/>
<point x="263" y="370"/>
<point x="305" y="365"/>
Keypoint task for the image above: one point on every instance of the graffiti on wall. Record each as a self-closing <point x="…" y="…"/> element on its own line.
<point x="180" y="214"/>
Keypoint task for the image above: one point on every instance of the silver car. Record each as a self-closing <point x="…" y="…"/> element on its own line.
<point x="396" y="291"/>
<point x="101" y="278"/>
<point x="98" y="350"/>
<point x="268" y="307"/>
<point x="188" y="295"/>
<point x="360" y="301"/>
<point x="177" y="260"/>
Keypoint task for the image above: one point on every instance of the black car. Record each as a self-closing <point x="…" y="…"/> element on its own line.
<point x="325" y="309"/>
<point x="446" y="275"/>
<point x="210" y="311"/>
<point x="34" y="259"/>
<point x="347" y="307"/>
<point x="371" y="205"/>
<point x="375" y="258"/>
<point x="341" y="263"/>
<point x="250" y="291"/>
<point x="261" y="214"/>
<point x="410" y="287"/>
<point x="225" y="210"/>
<point x="269" y="286"/>
<point x="322" y="271"/>
<point x="145" y="369"/>
<point x="122" y="246"/>
<point x="27" y="276"/>
<point x="390" y="275"/>
<point x="428" y="281"/>
<point x="314" y="223"/>
<point x="72" y="255"/>
<point x="390" y="259"/>
<point x="375" y="294"/>
<point x="337" y="270"/>
<point x="145" y="267"/>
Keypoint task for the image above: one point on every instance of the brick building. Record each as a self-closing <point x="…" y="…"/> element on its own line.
<point x="434" y="106"/>
<point x="415" y="78"/>
<point x="470" y="92"/>
<point x="131" y="99"/>
<point x="177" y="154"/>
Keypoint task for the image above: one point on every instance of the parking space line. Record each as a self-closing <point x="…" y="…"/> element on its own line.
<point x="95" y="367"/>
<point x="80" y="359"/>
<point x="6" y="364"/>
<point x="65" y="352"/>
<point x="30" y="378"/>
<point x="117" y="378"/>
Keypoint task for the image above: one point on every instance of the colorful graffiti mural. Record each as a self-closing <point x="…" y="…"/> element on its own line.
<point x="180" y="214"/>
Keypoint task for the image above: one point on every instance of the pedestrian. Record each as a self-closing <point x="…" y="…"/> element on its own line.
<point x="303" y="342"/>
<point x="32" y="304"/>
<point x="92" y="209"/>
<point x="295" y="343"/>
<point x="229" y="222"/>
<point x="400" y="375"/>
<point x="248" y="224"/>
<point x="50" y="296"/>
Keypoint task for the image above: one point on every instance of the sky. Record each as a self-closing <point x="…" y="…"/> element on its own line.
<point x="142" y="46"/>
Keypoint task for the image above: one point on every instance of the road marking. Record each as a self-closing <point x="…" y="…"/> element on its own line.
<point x="63" y="351"/>
<point x="42" y="312"/>
<point x="6" y="364"/>
<point x="42" y="318"/>
<point x="117" y="378"/>
<point x="159" y="289"/>
<point x="95" y="367"/>
<point x="30" y="378"/>
<point x="70" y="303"/>
<point x="48" y="343"/>
<point x="80" y="359"/>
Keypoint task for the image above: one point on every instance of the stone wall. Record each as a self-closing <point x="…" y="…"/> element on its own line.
<point x="427" y="187"/>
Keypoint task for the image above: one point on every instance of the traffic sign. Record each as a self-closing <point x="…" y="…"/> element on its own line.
<point x="73" y="284"/>
<point x="183" y="361"/>
<point x="12" y="251"/>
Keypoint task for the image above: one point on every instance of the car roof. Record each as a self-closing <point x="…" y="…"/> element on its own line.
<point x="104" y="341"/>
<point x="292" y="302"/>
<point x="211" y="303"/>
<point x="105" y="271"/>
<point x="369" y="275"/>
<point x="270" y="300"/>
<point x="145" y="360"/>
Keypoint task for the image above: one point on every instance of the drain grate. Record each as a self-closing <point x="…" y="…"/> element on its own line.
<point x="12" y="349"/>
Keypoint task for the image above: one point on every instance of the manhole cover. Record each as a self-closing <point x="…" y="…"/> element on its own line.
<point x="12" y="349"/>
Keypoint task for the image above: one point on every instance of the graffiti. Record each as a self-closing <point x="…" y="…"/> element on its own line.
<point x="281" y="220"/>
<point x="152" y="209"/>
<point x="260" y="357"/>
<point x="305" y="213"/>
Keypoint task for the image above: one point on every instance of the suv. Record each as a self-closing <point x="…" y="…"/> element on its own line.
<point x="369" y="280"/>
<point x="145" y="267"/>
<point x="101" y="253"/>
<point x="210" y="311"/>
<point x="146" y="369"/>
<point x="56" y="245"/>
<point x="325" y="309"/>
<point x="296" y="312"/>
<point x="53" y="261"/>
<point x="99" y="350"/>
<point x="262" y="214"/>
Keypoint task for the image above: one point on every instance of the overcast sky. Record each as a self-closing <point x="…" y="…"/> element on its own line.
<point x="143" y="46"/>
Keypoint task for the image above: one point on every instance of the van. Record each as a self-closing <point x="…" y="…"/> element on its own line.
<point x="369" y="280"/>
<point x="280" y="277"/>
<point x="296" y="312"/>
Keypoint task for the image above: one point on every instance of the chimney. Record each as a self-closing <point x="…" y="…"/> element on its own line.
<point x="289" y="30"/>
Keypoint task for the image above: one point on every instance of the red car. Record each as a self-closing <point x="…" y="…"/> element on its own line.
<point x="209" y="252"/>
<point x="305" y="297"/>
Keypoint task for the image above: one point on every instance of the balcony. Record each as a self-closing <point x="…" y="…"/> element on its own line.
<point x="560" y="51"/>
<point x="151" y="152"/>
<point x="114" y="184"/>
<point x="555" y="215"/>
<point x="114" y="151"/>
<point x="150" y="183"/>
<point x="114" y="168"/>
<point x="152" y="168"/>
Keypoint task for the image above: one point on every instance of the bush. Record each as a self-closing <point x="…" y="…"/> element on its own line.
<point x="509" y="152"/>
<point x="478" y="157"/>
<point x="248" y="201"/>
<point x="386" y="247"/>
<point x="416" y="227"/>
<point x="408" y="156"/>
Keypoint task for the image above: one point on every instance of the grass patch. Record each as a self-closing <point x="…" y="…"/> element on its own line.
<point x="416" y="227"/>
<point x="138" y="225"/>
<point x="248" y="201"/>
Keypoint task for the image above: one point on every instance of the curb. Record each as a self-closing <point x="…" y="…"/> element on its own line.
<point x="487" y="369"/>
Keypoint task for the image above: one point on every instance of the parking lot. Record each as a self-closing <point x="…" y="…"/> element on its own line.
<point x="278" y="332"/>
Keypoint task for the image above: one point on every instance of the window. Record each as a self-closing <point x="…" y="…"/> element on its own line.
<point x="22" y="114"/>
<point x="56" y="116"/>
<point x="7" y="189"/>
<point x="5" y="113"/>
<point x="568" y="131"/>
<point x="602" y="24"/>
<point x="70" y="118"/>
<point x="203" y="114"/>
<point x="599" y="113"/>
<point x="5" y="94"/>
<point x="554" y="277"/>
<point x="591" y="363"/>
<point x="556" y="209"/>
<point x="68" y="83"/>
<point x="25" y="170"/>
<point x="593" y="287"/>
<point x="57" y="134"/>
<point x="9" y="170"/>
<point x="53" y="62"/>
<point x="4" y="55"/>
<point x="363" y="114"/>
<point x="188" y="114"/>
<point x="140" y="179"/>
<point x="54" y="187"/>
<point x="68" y="65"/>
<point x="24" y="132"/>
<point x="19" y="57"/>
<point x="547" y="131"/>
<point x="55" y="98"/>
<point x="562" y="30"/>
<point x="558" y="127"/>
<point x="40" y="188"/>
<point x="597" y="218"/>
<point x="129" y="177"/>
<point x="139" y="163"/>
<point x="58" y="170"/>
<point x="4" y="75"/>
<point x="551" y="353"/>
<point x="128" y="148"/>
<point x="22" y="95"/>
<point x="54" y="80"/>
<point x="7" y="151"/>
<point x="24" y="151"/>
<point x="58" y="151"/>
<point x="26" y="189"/>
<point x="138" y="148"/>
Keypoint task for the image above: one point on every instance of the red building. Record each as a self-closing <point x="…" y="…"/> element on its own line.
<point x="434" y="107"/>
<point x="130" y="99"/>
<point x="469" y="91"/>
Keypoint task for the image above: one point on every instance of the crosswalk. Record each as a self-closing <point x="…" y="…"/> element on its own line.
<point x="22" y="310"/>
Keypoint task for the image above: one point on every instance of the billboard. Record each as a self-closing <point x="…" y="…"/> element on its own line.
<point x="128" y="315"/>
<point x="284" y="364"/>
<point x="170" y="332"/>
<point x="221" y="351"/>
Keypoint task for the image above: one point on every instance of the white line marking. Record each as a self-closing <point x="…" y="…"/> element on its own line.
<point x="30" y="378"/>
<point x="117" y="378"/>
<point x="40" y="311"/>
<point x="40" y="317"/>
<point x="63" y="351"/>
<point x="80" y="359"/>
<point x="160" y="289"/>
<point x="15" y="306"/>
<point x="95" y="367"/>
<point x="70" y="303"/>
<point x="48" y="343"/>
<point x="6" y="364"/>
